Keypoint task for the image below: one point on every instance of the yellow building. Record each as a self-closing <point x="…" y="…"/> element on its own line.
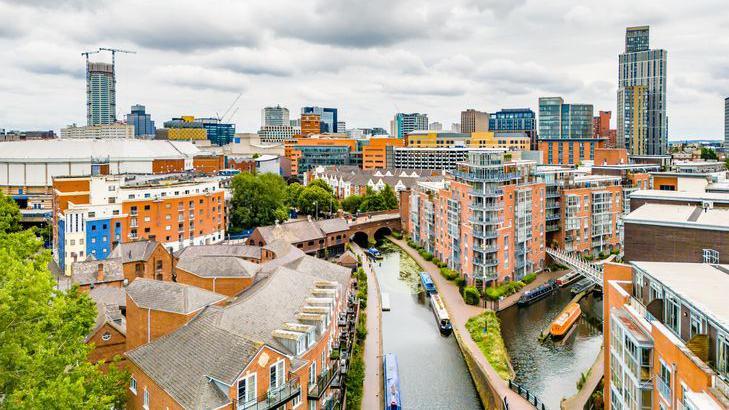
<point x="187" y="134"/>
<point x="482" y="139"/>
<point x="488" y="139"/>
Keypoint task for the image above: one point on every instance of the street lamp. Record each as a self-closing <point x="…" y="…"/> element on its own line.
<point x="316" y="213"/>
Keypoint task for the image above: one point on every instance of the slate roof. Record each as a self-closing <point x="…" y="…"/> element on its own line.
<point x="302" y="230"/>
<point x="170" y="296"/>
<point x="85" y="272"/>
<point x="108" y="299"/>
<point x="211" y="266"/>
<point x="246" y="251"/>
<point x="183" y="362"/>
<point x="137" y="251"/>
<point x="333" y="225"/>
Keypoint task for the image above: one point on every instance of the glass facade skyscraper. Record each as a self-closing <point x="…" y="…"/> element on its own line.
<point x="100" y="94"/>
<point x="515" y="120"/>
<point x="404" y="124"/>
<point x="327" y="116"/>
<point x="274" y="116"/>
<point x="558" y="120"/>
<point x="642" y="104"/>
<point x="142" y="122"/>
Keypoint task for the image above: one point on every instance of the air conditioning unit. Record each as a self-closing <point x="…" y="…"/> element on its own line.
<point x="707" y="205"/>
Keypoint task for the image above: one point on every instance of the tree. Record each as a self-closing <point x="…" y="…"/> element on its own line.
<point x="372" y="202"/>
<point x="314" y="200"/>
<point x="292" y="194"/>
<point x="708" y="153"/>
<point x="43" y="354"/>
<point x="9" y="214"/>
<point x="258" y="200"/>
<point x="322" y="184"/>
<point x="352" y="203"/>
<point x="389" y="197"/>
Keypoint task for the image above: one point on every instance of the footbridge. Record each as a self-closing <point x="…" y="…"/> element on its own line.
<point x="585" y="268"/>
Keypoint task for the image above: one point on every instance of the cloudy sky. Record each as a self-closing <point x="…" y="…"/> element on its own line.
<point x="369" y="58"/>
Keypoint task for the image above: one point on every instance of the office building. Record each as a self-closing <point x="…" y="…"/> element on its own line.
<point x="456" y="127"/>
<point x="310" y="124"/>
<point x="569" y="151"/>
<point x="404" y="124"/>
<point x="445" y="158"/>
<point x="341" y="127"/>
<point x="142" y="122"/>
<point x="327" y="117"/>
<point x="105" y="131"/>
<point x="272" y="134"/>
<point x="511" y="120"/>
<point x="275" y="116"/>
<point x="100" y="94"/>
<point x="474" y="121"/>
<point x="666" y="336"/>
<point x="15" y="135"/>
<point x="558" y="120"/>
<point x="642" y="124"/>
<point x="217" y="132"/>
<point x="482" y="139"/>
<point x="435" y="126"/>
<point x="92" y="214"/>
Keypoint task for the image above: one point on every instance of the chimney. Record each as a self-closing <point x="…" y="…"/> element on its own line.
<point x="100" y="273"/>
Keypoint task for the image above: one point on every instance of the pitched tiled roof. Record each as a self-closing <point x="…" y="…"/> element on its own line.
<point x="245" y="251"/>
<point x="292" y="232"/>
<point x="86" y="272"/>
<point x="170" y="296"/>
<point x="211" y="266"/>
<point x="108" y="299"/>
<point x="333" y="225"/>
<point x="184" y="362"/>
<point x="134" y="251"/>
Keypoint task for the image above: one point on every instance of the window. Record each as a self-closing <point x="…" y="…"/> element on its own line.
<point x="246" y="390"/>
<point x="146" y="398"/>
<point x="133" y="385"/>
<point x="672" y="313"/>
<point x="146" y="207"/>
<point x="312" y="373"/>
<point x="711" y="256"/>
<point x="277" y="375"/>
<point x="664" y="381"/>
<point x="106" y="336"/>
<point x="722" y="360"/>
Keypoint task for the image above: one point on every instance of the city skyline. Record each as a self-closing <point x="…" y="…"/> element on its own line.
<point x="366" y="71"/>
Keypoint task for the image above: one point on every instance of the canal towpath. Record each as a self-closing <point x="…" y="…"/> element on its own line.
<point x="597" y="371"/>
<point x="460" y="312"/>
<point x="372" y="390"/>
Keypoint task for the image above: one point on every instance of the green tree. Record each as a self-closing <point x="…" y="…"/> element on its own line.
<point x="9" y="214"/>
<point x="322" y="184"/>
<point x="352" y="203"/>
<point x="372" y="201"/>
<point x="708" y="153"/>
<point x="292" y="194"/>
<point x="389" y="197"/>
<point x="315" y="200"/>
<point x="258" y="200"/>
<point x="43" y="354"/>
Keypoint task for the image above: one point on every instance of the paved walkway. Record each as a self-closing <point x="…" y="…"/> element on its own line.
<point x="578" y="401"/>
<point x="460" y="312"/>
<point x="372" y="394"/>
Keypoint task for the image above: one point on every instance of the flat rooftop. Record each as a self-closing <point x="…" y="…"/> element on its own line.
<point x="702" y="285"/>
<point x="680" y="195"/>
<point x="687" y="216"/>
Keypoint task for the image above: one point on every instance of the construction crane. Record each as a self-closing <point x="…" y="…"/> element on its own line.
<point x="230" y="107"/>
<point x="114" y="51"/>
<point x="86" y="54"/>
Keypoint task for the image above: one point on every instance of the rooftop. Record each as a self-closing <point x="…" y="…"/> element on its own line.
<point x="688" y="216"/>
<point x="245" y="251"/>
<point x="702" y="285"/>
<point x="86" y="272"/>
<point x="679" y="195"/>
<point x="217" y="266"/>
<point x="65" y="150"/>
<point x="137" y="251"/>
<point x="170" y="296"/>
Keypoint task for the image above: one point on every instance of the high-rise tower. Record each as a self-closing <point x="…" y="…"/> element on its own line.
<point x="642" y="119"/>
<point x="100" y="94"/>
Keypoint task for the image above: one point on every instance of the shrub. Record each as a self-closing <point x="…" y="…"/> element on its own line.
<point x="361" y="327"/>
<point x="449" y="274"/>
<point x="615" y="251"/>
<point x="588" y="257"/>
<point x="529" y="278"/>
<point x="471" y="295"/>
<point x="504" y="289"/>
<point x="355" y="379"/>
<point x="460" y="282"/>
<point x="397" y="234"/>
<point x="490" y="342"/>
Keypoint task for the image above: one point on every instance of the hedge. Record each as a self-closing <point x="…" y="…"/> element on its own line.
<point x="471" y="295"/>
<point x="529" y="278"/>
<point x="505" y="289"/>
<point x="397" y="234"/>
<point x="449" y="274"/>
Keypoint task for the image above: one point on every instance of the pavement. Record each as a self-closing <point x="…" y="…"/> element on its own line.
<point x="578" y="401"/>
<point x="373" y="383"/>
<point x="460" y="312"/>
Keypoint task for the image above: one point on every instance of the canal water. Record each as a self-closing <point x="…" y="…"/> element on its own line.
<point x="550" y="370"/>
<point x="433" y="374"/>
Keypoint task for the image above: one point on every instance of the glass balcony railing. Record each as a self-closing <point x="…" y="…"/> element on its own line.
<point x="274" y="397"/>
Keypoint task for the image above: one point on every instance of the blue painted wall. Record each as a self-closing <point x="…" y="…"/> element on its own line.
<point x="98" y="238"/>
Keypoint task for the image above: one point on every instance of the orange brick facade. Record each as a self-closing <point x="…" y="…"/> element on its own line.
<point x="224" y="286"/>
<point x="158" y="266"/>
<point x="569" y="151"/>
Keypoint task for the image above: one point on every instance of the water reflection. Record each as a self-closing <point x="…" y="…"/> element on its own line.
<point x="551" y="369"/>
<point x="433" y="374"/>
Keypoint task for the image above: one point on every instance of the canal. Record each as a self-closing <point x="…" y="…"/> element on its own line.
<point x="549" y="369"/>
<point x="433" y="374"/>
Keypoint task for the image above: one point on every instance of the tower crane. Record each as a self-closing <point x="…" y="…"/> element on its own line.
<point x="114" y="51"/>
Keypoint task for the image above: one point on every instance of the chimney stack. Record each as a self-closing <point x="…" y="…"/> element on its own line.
<point x="100" y="273"/>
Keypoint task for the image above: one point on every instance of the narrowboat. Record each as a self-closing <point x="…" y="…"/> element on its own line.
<point x="393" y="401"/>
<point x="373" y="253"/>
<point x="569" y="277"/>
<point x="582" y="286"/>
<point x="441" y="315"/>
<point x="385" y="302"/>
<point x="427" y="283"/>
<point x="537" y="293"/>
<point x="565" y="320"/>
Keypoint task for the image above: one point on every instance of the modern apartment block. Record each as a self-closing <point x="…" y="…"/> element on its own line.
<point x="403" y="124"/>
<point x="642" y="124"/>
<point x="93" y="214"/>
<point x="100" y="94"/>
<point x="474" y="121"/>
<point x="479" y="139"/>
<point x="272" y="134"/>
<point x="511" y="120"/>
<point x="444" y="158"/>
<point x="102" y="131"/>
<point x="558" y="120"/>
<point x="666" y="336"/>
<point x="487" y="222"/>
<point x="569" y="151"/>
<point x="310" y="124"/>
<point x="142" y="122"/>
<point x="275" y="116"/>
<point x="327" y="116"/>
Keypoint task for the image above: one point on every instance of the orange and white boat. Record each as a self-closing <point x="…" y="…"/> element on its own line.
<point x="565" y="320"/>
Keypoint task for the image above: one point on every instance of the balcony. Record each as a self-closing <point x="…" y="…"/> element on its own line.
<point x="487" y="234"/>
<point x="489" y="193"/>
<point x="274" y="397"/>
<point x="323" y="381"/>
<point x="486" y="262"/>
<point x="488" y="206"/>
<point x="485" y="249"/>
<point x="486" y="221"/>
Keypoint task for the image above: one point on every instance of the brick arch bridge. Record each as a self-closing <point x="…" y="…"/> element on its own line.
<point x="374" y="224"/>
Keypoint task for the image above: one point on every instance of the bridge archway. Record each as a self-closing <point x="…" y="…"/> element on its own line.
<point x="382" y="232"/>
<point x="361" y="239"/>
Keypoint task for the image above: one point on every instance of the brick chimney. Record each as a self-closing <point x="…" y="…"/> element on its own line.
<point x="100" y="273"/>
